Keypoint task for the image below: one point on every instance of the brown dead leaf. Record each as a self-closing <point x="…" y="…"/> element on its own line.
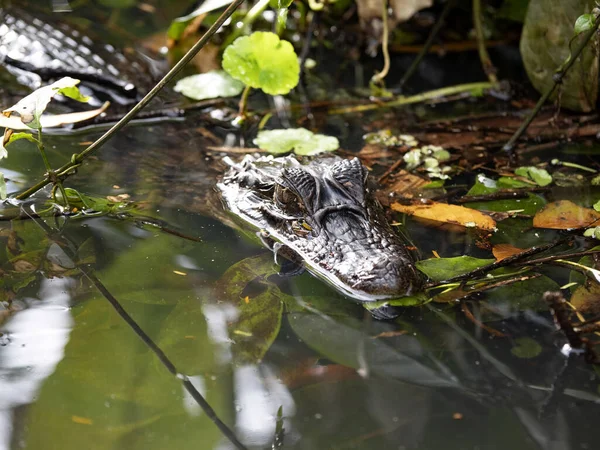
<point x="586" y="299"/>
<point x="23" y="266"/>
<point x="453" y="214"/>
<point x="405" y="182"/>
<point x="503" y="251"/>
<point x="564" y="215"/>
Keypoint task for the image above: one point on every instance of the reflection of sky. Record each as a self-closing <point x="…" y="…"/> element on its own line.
<point x="36" y="338"/>
<point x="257" y="390"/>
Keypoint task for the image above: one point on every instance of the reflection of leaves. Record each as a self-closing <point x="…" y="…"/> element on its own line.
<point x="523" y="295"/>
<point x="345" y="343"/>
<point x="439" y="269"/>
<point x="153" y="283"/>
<point x="112" y="381"/>
<point x="259" y="305"/>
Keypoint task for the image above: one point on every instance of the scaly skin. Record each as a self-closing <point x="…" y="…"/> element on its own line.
<point x="38" y="48"/>
<point x="324" y="212"/>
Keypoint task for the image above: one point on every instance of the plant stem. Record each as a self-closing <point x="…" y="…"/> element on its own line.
<point x="430" y="95"/>
<point x="49" y="171"/>
<point x="484" y="57"/>
<point x="42" y="150"/>
<point x="78" y="158"/>
<point x="428" y="43"/>
<point x="244" y="103"/>
<point x="557" y="78"/>
<point x="379" y="76"/>
<point x="249" y="19"/>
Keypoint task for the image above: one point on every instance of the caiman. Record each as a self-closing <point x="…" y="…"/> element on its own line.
<point x="319" y="212"/>
<point x="323" y="213"/>
<point x="36" y="48"/>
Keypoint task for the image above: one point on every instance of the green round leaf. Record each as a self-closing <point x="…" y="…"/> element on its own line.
<point x="526" y="348"/>
<point x="301" y="140"/>
<point x="263" y="61"/>
<point x="583" y="23"/>
<point x="216" y="83"/>
<point x="439" y="269"/>
<point x="540" y="176"/>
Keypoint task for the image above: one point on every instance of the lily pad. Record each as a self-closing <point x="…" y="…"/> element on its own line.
<point x="213" y="84"/>
<point x="31" y="108"/>
<point x="529" y="205"/>
<point x="541" y="177"/>
<point x="263" y="61"/>
<point x="300" y="140"/>
<point x="526" y="348"/>
<point x="439" y="269"/>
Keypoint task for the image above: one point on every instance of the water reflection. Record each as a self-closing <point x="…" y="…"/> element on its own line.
<point x="36" y="339"/>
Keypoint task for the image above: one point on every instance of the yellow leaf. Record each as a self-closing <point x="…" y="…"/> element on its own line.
<point x="453" y="214"/>
<point x="564" y="215"/>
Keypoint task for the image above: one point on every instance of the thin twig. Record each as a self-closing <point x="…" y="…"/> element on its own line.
<point x="423" y="97"/>
<point x="498" y="264"/>
<point x="553" y="258"/>
<point x="77" y="159"/>
<point x="428" y="43"/>
<point x="484" y="57"/>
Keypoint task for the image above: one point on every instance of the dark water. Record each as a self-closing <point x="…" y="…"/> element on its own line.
<point x="74" y="375"/>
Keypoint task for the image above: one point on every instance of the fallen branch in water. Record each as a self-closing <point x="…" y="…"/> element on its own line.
<point x="469" y="88"/>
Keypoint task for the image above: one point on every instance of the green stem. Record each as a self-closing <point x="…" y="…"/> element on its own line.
<point x="379" y="77"/>
<point x="78" y="158"/>
<point x="249" y="19"/>
<point x="484" y="57"/>
<point x="557" y="78"/>
<point x="42" y="150"/>
<point x="430" y="95"/>
<point x="434" y="32"/>
<point x="244" y="103"/>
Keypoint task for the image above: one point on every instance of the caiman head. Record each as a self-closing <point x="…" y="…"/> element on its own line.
<point x="324" y="213"/>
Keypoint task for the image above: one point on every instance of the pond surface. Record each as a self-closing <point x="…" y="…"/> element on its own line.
<point x="74" y="374"/>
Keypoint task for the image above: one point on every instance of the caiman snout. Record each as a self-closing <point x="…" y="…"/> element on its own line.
<point x="324" y="212"/>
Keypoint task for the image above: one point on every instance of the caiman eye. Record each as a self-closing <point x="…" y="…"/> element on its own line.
<point x="287" y="200"/>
